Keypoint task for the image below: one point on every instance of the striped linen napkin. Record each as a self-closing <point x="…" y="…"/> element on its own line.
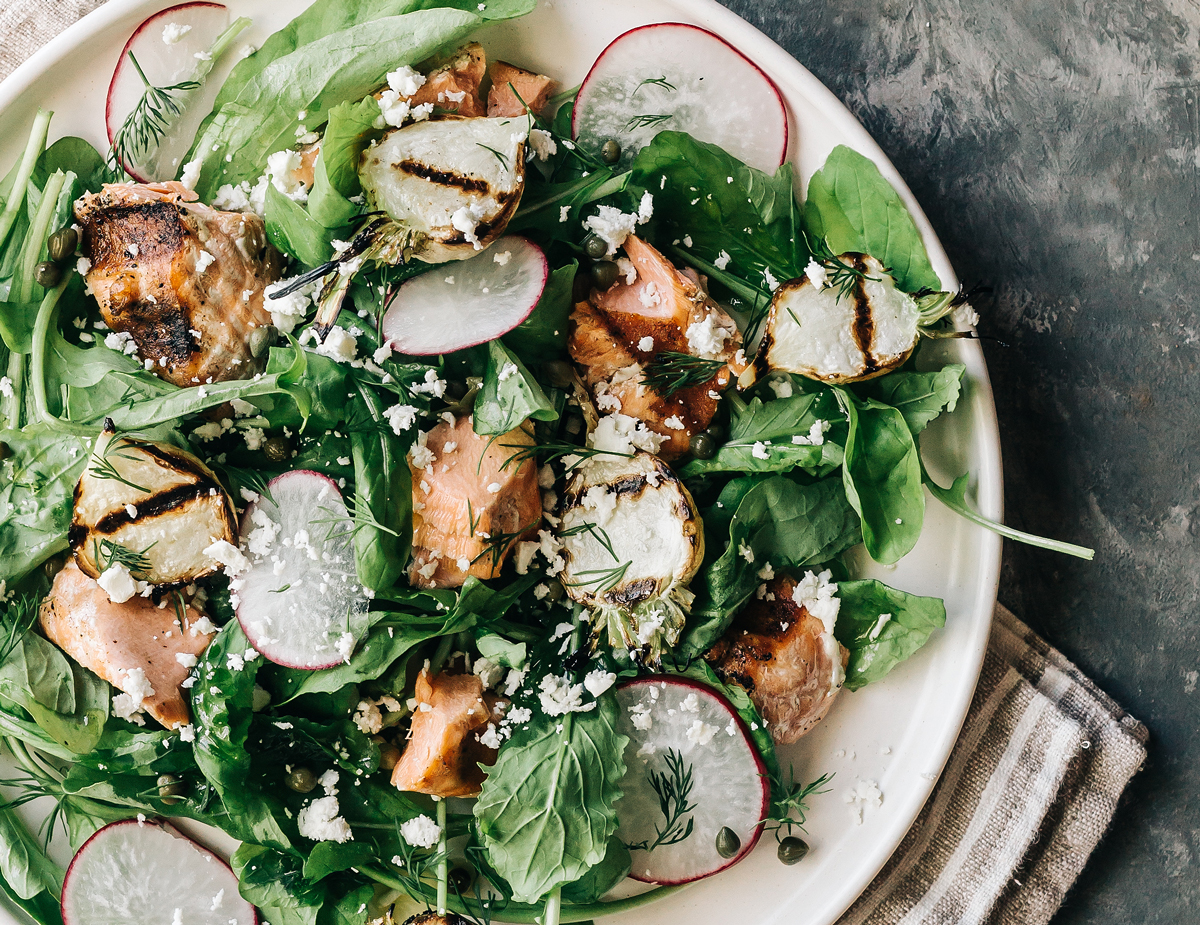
<point x="1028" y="792"/>
<point x="1033" y="781"/>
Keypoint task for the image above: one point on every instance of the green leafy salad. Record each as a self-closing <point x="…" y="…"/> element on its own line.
<point x="441" y="482"/>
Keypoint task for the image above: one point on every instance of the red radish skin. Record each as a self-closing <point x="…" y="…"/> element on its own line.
<point x="298" y="627"/>
<point x="115" y="113"/>
<point x="676" y="690"/>
<point x="447" y="308"/>
<point x="89" y="908"/>
<point x="698" y="47"/>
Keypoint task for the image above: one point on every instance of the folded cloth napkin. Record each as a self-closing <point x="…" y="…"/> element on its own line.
<point x="1032" y="784"/>
<point x="1028" y="792"/>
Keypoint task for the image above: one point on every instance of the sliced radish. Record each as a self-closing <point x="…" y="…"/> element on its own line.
<point x="148" y="872"/>
<point x="673" y="719"/>
<point x="685" y="79"/>
<point x="300" y="603"/>
<point x="170" y="47"/>
<point x="459" y="305"/>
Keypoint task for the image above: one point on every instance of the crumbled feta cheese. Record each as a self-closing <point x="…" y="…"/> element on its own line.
<point x="174" y="32"/>
<point x="83" y="266"/>
<point x="781" y="386"/>
<point x="203" y="627"/>
<point x="121" y="342"/>
<point x="559" y="696"/>
<point x="621" y="433"/>
<point x="339" y="345"/>
<point x="706" y="338"/>
<point x="488" y="671"/>
<point x="746" y="552"/>
<point x="490" y="737"/>
<point x="612" y="226"/>
<point x="639" y="715"/>
<point x="542" y="144"/>
<point x="117" y="583"/>
<point x="204" y="260"/>
<point x="645" y="208"/>
<point x="701" y="733"/>
<point x="863" y="793"/>
<point x="421" y="832"/>
<point x="816" y="274"/>
<point x="401" y="417"/>
<point x="760" y="451"/>
<point x="191" y="173"/>
<point x="405" y="80"/>
<point x="598" y="681"/>
<point x="320" y="820"/>
<point x="772" y="282"/>
<point x="344" y="646"/>
<point x="466" y="220"/>
<point x="722" y="260"/>
<point x="228" y="555"/>
<point x="564" y="214"/>
<point x="186" y="659"/>
<point x="816" y="435"/>
<point x="766" y="573"/>
<point x="673" y="422"/>
<point x="964" y="316"/>
<point x="281" y="169"/>
<point x="187" y="733"/>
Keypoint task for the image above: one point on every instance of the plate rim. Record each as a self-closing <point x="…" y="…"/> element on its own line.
<point x="774" y="60"/>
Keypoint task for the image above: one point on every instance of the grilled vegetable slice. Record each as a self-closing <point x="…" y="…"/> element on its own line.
<point x="632" y="541"/>
<point x="453" y="183"/>
<point x="151" y="507"/>
<point x="854" y="326"/>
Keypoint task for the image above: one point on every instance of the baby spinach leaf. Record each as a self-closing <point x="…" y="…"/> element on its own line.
<point x="882" y="475"/>
<point x="81" y="727"/>
<point x="543" y="335"/>
<point x="323" y="379"/>
<point x="546" y="811"/>
<point x="920" y="397"/>
<point x="36" y="671"/>
<point x="382" y="496"/>
<point x="25" y="868"/>
<point x="16" y="325"/>
<point x="878" y="645"/>
<point x="854" y="208"/>
<point x="295" y="232"/>
<point x="275" y="879"/>
<point x="351" y="127"/>
<point x="510" y="395"/>
<point x="501" y="651"/>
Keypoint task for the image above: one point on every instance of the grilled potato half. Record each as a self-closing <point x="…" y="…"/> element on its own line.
<point x="454" y="182"/>
<point x="632" y="540"/>
<point x="154" y="501"/>
<point x="835" y="338"/>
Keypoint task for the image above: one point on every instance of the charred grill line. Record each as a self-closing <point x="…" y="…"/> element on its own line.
<point x="864" y="323"/>
<point x="154" y="506"/>
<point x="443" y="177"/>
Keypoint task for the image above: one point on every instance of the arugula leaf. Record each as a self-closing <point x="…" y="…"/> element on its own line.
<point x="882" y="475"/>
<point x="543" y="335"/>
<point x="546" y="811"/>
<point x="920" y="397"/>
<point x="510" y="395"/>
<point x="876" y="649"/>
<point x="777" y="521"/>
<point x="854" y="208"/>
<point x="382" y="498"/>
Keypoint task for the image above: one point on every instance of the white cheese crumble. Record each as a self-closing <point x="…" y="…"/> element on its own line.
<point x="401" y="417"/>
<point x="174" y="32"/>
<point x="559" y="697"/>
<point x="405" y="80"/>
<point x="706" y="338"/>
<point x="117" y="583"/>
<point x="818" y="595"/>
<point x="701" y="733"/>
<point x="83" y="266"/>
<point x="564" y="214"/>
<point x="467" y="219"/>
<point x="204" y="260"/>
<point x="320" y="820"/>
<point x="816" y="435"/>
<point x="339" y="345"/>
<point x="191" y="173"/>
<point x="542" y="144"/>
<point x="421" y="832"/>
<point x="817" y="274"/>
<point x="281" y="169"/>
<point x="863" y="793"/>
<point x="760" y="451"/>
<point x="228" y="555"/>
<point x="121" y="342"/>
<point x="722" y="260"/>
<point x="598" y="681"/>
<point x="612" y="226"/>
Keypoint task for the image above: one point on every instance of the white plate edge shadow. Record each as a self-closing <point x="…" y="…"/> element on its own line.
<point x="782" y="67"/>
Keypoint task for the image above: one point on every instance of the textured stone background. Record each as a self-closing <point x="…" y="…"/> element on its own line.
<point x="1056" y="149"/>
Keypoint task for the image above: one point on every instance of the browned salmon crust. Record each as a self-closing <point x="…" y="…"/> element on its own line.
<point x="146" y="245"/>
<point x="532" y="90"/>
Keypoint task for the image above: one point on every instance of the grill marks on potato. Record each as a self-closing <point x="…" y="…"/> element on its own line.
<point x="864" y="321"/>
<point x="444" y="177"/>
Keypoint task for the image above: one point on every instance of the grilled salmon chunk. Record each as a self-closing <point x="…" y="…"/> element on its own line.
<point x="443" y="754"/>
<point x="532" y="90"/>
<point x="119" y="640"/>
<point x="784" y="657"/>
<point x="617" y="334"/>
<point x="182" y="279"/>
<point x="470" y="504"/>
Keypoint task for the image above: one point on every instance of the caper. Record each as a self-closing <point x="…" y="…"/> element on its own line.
<point x="560" y="373"/>
<point x="5" y="450"/>
<point x="63" y="244"/>
<point x="716" y="431"/>
<point x="792" y="850"/>
<point x="611" y="152"/>
<point x="604" y="274"/>
<point x="389" y="756"/>
<point x="278" y="449"/>
<point x="302" y="780"/>
<point x="595" y="247"/>
<point x="728" y="843"/>
<point x="171" y="788"/>
<point x="703" y="446"/>
<point x="555" y="590"/>
<point x="48" y="274"/>
<point x="581" y="286"/>
<point x="262" y="338"/>
<point x="461" y="879"/>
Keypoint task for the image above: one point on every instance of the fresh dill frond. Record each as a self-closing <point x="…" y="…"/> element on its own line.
<point x="117" y="448"/>
<point x="670" y="371"/>
<point x="790" y="808"/>
<point x="842" y="277"/>
<point x="502" y="158"/>
<point x="150" y="120"/>
<point x="498" y="544"/>
<point x="108" y="553"/>
<point x="555" y="449"/>
<point x="674" y="787"/>
<point x="655" y="82"/>
<point x="647" y="120"/>
<point x="600" y="580"/>
<point x="17" y="619"/>
<point x="599" y="534"/>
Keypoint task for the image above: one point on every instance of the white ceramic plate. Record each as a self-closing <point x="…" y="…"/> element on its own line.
<point x="898" y="732"/>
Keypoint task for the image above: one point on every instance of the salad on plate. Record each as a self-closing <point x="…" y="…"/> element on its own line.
<point x="441" y="481"/>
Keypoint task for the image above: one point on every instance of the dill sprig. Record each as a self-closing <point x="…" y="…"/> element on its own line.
<point x="498" y="544"/>
<point x="117" y="448"/>
<point x="790" y="808"/>
<point x="555" y="449"/>
<point x="600" y="580"/>
<point x="501" y="157"/>
<point x="655" y="82"/>
<point x="599" y="534"/>
<point x="150" y="120"/>
<point x="646" y="120"/>
<point x="108" y="553"/>
<point x="674" y="787"/>
<point x="841" y="276"/>
<point x="17" y="619"/>
<point x="670" y="371"/>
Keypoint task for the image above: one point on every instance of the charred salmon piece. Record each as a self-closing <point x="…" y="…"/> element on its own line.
<point x="455" y="85"/>
<point x="534" y="89"/>
<point x="119" y="641"/>
<point x="470" y="504"/>
<point x="619" y="332"/>
<point x="185" y="281"/>
<point x="784" y="656"/>
<point x="443" y="754"/>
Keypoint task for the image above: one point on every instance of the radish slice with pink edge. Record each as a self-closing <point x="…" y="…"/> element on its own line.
<point x="686" y="79"/>
<point x="148" y="872"/>
<point x="171" y="47"/>
<point x="674" y="722"/>
<point x="459" y="305"/>
<point x="300" y="602"/>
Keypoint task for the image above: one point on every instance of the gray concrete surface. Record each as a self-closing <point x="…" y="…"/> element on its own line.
<point x="1056" y="149"/>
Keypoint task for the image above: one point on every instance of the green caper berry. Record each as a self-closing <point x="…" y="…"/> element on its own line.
<point x="611" y="152"/>
<point x="171" y="788"/>
<point x="302" y="780"/>
<point x="63" y="244"/>
<point x="560" y="373"/>
<point x="595" y="247"/>
<point x="555" y="591"/>
<point x="278" y="449"/>
<point x="48" y="274"/>
<point x="461" y="879"/>
<point x="604" y="274"/>
<point x="261" y="339"/>
<point x="581" y="286"/>
<point x="728" y="843"/>
<point x="703" y="446"/>
<point x="716" y="431"/>
<point x="792" y="850"/>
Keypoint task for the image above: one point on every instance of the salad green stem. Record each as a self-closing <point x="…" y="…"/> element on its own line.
<point x="751" y="295"/>
<point x="443" y="868"/>
<point x="33" y="150"/>
<point x="553" y="908"/>
<point x="41" y="330"/>
<point x="14" y="404"/>
<point x="220" y="46"/>
<point x="35" y="240"/>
